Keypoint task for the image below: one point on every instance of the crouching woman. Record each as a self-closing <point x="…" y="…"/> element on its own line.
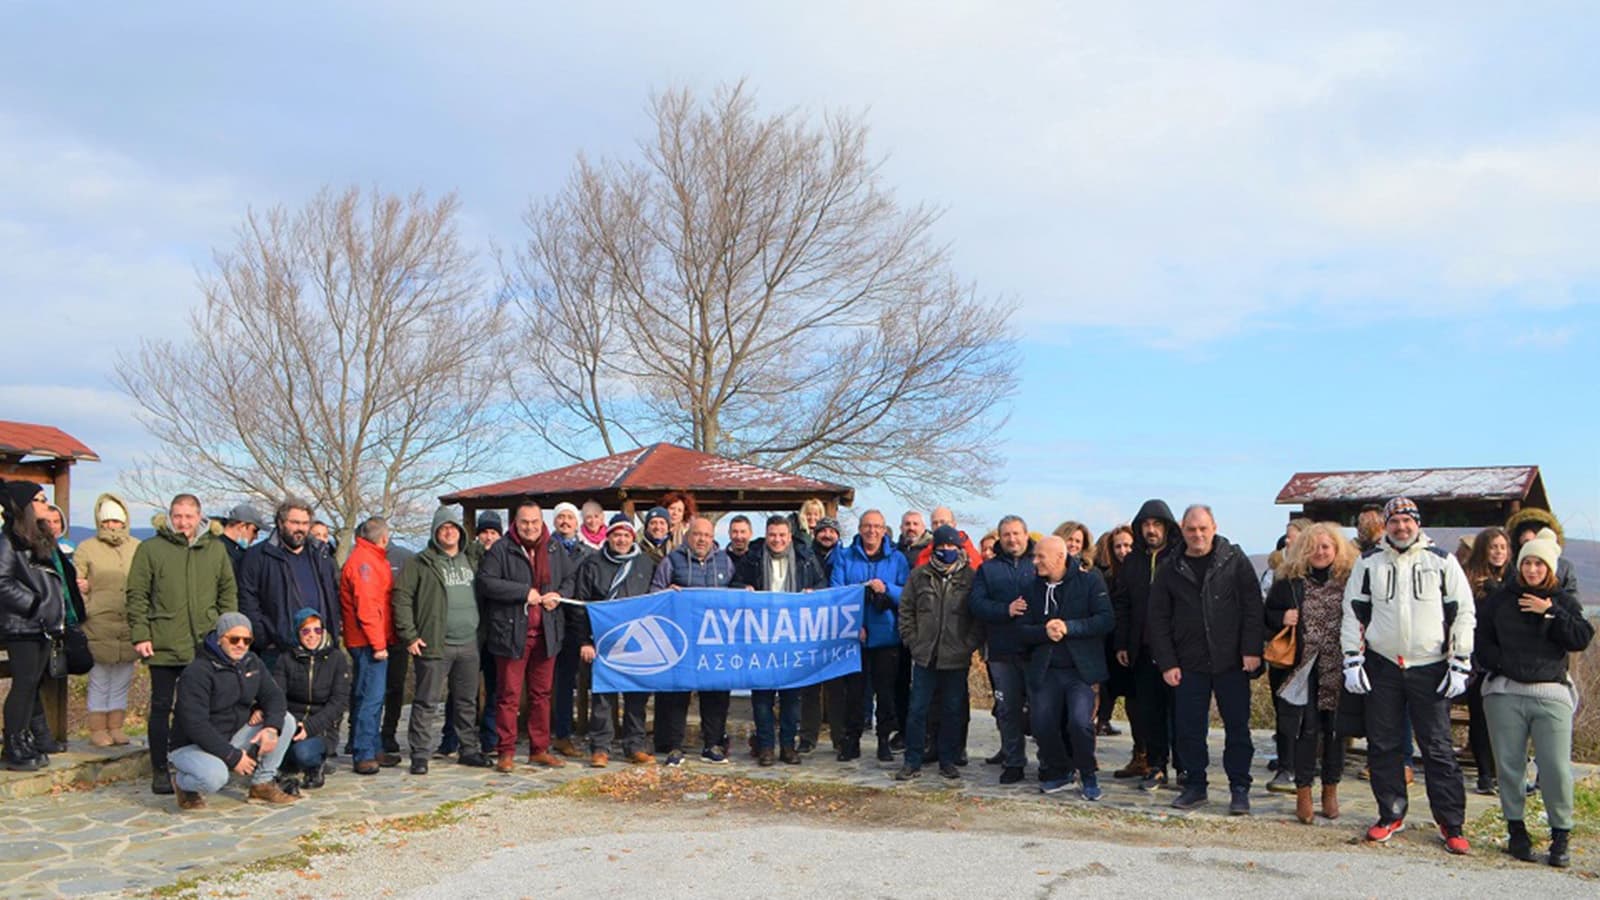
<point x="211" y="731"/>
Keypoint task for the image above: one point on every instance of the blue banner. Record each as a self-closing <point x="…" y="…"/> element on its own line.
<point x="716" y="639"/>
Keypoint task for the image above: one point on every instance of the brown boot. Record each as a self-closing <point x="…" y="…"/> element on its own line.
<point x="1138" y="767"/>
<point x="99" y="729"/>
<point x="641" y="758"/>
<point x="187" y="800"/>
<point x="1330" y="801"/>
<point x="1302" y="805"/>
<point x="270" y="793"/>
<point x="599" y="760"/>
<point x="547" y="760"/>
<point x="567" y="748"/>
<point x="114" y="726"/>
<point x="506" y="763"/>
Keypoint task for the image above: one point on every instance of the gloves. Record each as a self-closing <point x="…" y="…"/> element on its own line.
<point x="1455" y="678"/>
<point x="1355" y="674"/>
<point x="880" y="600"/>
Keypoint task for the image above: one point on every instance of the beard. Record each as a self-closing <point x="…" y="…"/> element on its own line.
<point x="293" y="541"/>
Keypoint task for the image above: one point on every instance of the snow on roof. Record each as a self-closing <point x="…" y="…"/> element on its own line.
<point x="1485" y="483"/>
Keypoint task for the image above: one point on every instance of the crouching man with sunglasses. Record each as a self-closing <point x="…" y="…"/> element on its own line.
<point x="211" y="731"/>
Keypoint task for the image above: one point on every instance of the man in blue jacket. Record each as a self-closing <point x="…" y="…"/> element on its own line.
<point x="881" y="571"/>
<point x="278" y="576"/>
<point x="997" y="601"/>
<point x="1067" y="618"/>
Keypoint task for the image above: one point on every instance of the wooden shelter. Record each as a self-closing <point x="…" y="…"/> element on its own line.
<point x="1462" y="497"/>
<point x="635" y="480"/>
<point x="44" y="455"/>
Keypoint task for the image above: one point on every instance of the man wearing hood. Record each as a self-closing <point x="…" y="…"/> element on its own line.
<point x="1407" y="636"/>
<point x="239" y="531"/>
<point x="37" y="587"/>
<point x="216" y="729"/>
<point x="1524" y="526"/>
<point x="778" y="563"/>
<point x="568" y="547"/>
<point x="881" y="571"/>
<point x="436" y="619"/>
<point x="1157" y="538"/>
<point x="179" y="582"/>
<point x="366" y="584"/>
<point x="103" y="562"/>
<point x="697" y="564"/>
<point x="998" y="600"/>
<point x="284" y="573"/>
<point x="619" y="570"/>
<point x="1207" y="626"/>
<point x="521" y="590"/>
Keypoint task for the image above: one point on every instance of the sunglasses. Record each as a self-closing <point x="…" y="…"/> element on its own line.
<point x="315" y="629"/>
<point x="239" y="640"/>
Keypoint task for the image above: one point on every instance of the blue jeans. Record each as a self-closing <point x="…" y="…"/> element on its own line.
<point x="949" y="684"/>
<point x="366" y="702"/>
<point x="308" y="754"/>
<point x="1062" y="706"/>
<point x="1010" y="687"/>
<point x="1191" y="704"/>
<point x="196" y="770"/>
<point x="786" y="722"/>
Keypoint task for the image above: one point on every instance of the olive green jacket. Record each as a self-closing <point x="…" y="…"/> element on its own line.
<point x="177" y="589"/>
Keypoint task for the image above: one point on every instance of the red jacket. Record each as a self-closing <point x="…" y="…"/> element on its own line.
<point x="364" y="586"/>
<point x="974" y="555"/>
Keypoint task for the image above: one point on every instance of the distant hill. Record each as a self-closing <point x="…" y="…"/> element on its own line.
<point x="77" y="534"/>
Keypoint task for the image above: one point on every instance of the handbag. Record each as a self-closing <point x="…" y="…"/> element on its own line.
<point x="76" y="646"/>
<point x="1279" y="652"/>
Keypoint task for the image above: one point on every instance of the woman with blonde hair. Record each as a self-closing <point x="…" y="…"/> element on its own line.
<point x="1308" y="595"/>
<point x="1080" y="542"/>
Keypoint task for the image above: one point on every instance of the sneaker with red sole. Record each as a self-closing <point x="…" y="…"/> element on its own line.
<point x="1384" y="830"/>
<point x="1454" y="840"/>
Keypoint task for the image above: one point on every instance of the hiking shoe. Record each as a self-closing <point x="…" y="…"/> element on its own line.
<point x="897" y="743"/>
<point x="546" y="759"/>
<point x="714" y="755"/>
<point x="962" y="760"/>
<point x="161" y="782"/>
<point x="271" y="793"/>
<point x="641" y="758"/>
<point x="1011" y="775"/>
<point x="1153" y="779"/>
<point x="765" y="757"/>
<point x="996" y="760"/>
<point x="1239" y="802"/>
<point x="849" y="752"/>
<point x="366" y="767"/>
<point x="1137" y="767"/>
<point x="190" y="800"/>
<point x="949" y="771"/>
<point x="599" y="759"/>
<point x="419" y="766"/>
<point x="1106" y="729"/>
<point x="807" y="748"/>
<point x="474" y="760"/>
<point x="1454" y="840"/>
<point x="1054" y="785"/>
<point x="674" y="759"/>
<point x="886" y="751"/>
<point x="506" y="764"/>
<point x="1560" y="851"/>
<point x="1382" y="831"/>
<point x="908" y="773"/>
<point x="1192" y="797"/>
<point x="1519" y="844"/>
<point x="317" y="777"/>
<point x="1485" y="788"/>
<point x="567" y="748"/>
<point x="389" y="760"/>
<point x="1281" y="783"/>
<point x="790" y="756"/>
<point x="1091" y="788"/>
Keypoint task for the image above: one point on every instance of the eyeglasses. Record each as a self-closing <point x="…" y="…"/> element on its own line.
<point x="315" y="629"/>
<point x="239" y="640"/>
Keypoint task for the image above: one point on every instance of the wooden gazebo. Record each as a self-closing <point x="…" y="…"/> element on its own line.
<point x="1463" y="497"/>
<point x="45" y="455"/>
<point x="635" y="480"/>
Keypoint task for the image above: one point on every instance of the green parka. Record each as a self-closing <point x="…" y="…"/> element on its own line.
<point x="176" y="590"/>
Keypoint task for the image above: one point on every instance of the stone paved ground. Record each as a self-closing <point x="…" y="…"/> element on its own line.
<point x="120" y="837"/>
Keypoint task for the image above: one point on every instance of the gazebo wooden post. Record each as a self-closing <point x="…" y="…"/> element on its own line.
<point x="831" y="507"/>
<point x="61" y="488"/>
<point x="469" y="518"/>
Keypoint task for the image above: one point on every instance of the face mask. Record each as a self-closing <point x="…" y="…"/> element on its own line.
<point x="947" y="555"/>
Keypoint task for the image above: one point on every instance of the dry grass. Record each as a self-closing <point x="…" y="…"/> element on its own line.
<point x="1585" y="671"/>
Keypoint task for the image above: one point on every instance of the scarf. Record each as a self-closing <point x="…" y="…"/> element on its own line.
<point x="567" y="543"/>
<point x="944" y="570"/>
<point x="595" y="539"/>
<point x="624" y="565"/>
<point x="111" y="537"/>
<point x="538" y="554"/>
<point x="779" y="568"/>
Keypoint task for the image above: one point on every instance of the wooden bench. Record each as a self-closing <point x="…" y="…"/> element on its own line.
<point x="54" y="694"/>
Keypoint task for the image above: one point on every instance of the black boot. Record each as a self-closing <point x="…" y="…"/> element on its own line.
<point x="30" y="747"/>
<point x="1560" y="856"/>
<point x="43" y="737"/>
<point x="1518" y="843"/>
<point x="315" y="776"/>
<point x="18" y="755"/>
<point x="160" y="781"/>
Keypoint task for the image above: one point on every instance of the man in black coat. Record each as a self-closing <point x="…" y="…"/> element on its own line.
<point x="285" y="573"/>
<point x="1157" y="538"/>
<point x="997" y="600"/>
<point x="214" y="729"/>
<point x="1207" y="625"/>
<point x="618" y="570"/>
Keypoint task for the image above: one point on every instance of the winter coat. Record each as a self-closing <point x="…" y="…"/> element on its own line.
<point x="1211" y="625"/>
<point x="421" y="601"/>
<point x="104" y="561"/>
<point x="935" y="624"/>
<point x="316" y="685"/>
<point x="1412" y="607"/>
<point x="366" y="585"/>
<point x="1131" y="602"/>
<point x="998" y="582"/>
<point x="596" y="582"/>
<point x="33" y="599"/>
<point x="681" y="569"/>
<point x="564" y="565"/>
<point x="216" y="696"/>
<point x="852" y="565"/>
<point x="270" y="596"/>
<point x="912" y="550"/>
<point x="1531" y="647"/>
<point x="1566" y="577"/>
<point x="752" y="570"/>
<point x="177" y="589"/>
<point x="1082" y="603"/>
<point x="504" y="579"/>
<point x="235" y="552"/>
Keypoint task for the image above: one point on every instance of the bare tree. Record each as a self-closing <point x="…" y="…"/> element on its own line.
<point x="343" y="352"/>
<point x="748" y="286"/>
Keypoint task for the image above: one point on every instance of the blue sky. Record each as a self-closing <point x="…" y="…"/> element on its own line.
<point x="1243" y="240"/>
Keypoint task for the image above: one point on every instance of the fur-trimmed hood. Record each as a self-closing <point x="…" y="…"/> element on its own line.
<point x="1531" y="515"/>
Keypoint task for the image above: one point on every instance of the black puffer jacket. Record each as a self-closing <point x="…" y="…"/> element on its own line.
<point x="316" y="685"/>
<point x="1530" y="647"/>
<point x="215" y="698"/>
<point x="1206" y="625"/>
<point x="32" y="598"/>
<point x="1131" y="598"/>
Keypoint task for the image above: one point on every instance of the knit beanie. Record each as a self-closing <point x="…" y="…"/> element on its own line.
<point x="620" y="521"/>
<point x="110" y="509"/>
<point x="231" y="620"/>
<point x="566" y="507"/>
<point x="1543" y="546"/>
<point x="490" y="521"/>
<point x="1402" y="506"/>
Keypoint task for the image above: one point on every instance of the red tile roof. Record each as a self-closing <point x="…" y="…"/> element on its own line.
<point x="652" y="470"/>
<point x="25" y="439"/>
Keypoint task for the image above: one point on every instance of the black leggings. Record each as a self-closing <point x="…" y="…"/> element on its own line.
<point x="28" y="659"/>
<point x="163" y="687"/>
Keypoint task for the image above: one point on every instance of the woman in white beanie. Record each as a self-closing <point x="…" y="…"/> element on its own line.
<point x="1528" y="628"/>
<point x="103" y="563"/>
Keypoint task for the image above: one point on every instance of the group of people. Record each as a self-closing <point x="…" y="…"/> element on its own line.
<point x="259" y="650"/>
